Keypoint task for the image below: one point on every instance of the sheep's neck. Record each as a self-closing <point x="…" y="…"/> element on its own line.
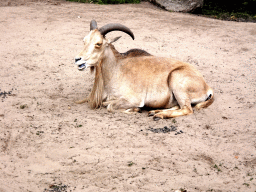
<point x="105" y="72"/>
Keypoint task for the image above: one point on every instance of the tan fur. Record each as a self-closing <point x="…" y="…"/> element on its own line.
<point x="137" y="79"/>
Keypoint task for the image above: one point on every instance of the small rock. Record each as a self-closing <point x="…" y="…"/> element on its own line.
<point x="173" y="128"/>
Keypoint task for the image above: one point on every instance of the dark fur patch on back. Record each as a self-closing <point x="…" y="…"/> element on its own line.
<point x="135" y="53"/>
<point x="130" y="53"/>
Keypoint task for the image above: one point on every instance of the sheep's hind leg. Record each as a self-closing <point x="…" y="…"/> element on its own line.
<point x="168" y="113"/>
<point x="153" y="112"/>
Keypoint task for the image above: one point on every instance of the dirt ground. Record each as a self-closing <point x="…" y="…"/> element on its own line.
<point x="49" y="143"/>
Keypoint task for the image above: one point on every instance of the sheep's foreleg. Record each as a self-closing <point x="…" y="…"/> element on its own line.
<point x="121" y="104"/>
<point x="133" y="110"/>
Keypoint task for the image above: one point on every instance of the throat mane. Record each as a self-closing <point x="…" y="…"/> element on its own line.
<point x="95" y="97"/>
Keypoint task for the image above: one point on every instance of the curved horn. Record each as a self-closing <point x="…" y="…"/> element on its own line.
<point x="93" y="25"/>
<point x="115" y="27"/>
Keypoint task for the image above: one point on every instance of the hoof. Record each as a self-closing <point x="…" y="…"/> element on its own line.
<point x="156" y="118"/>
<point x="139" y="110"/>
<point x="151" y="113"/>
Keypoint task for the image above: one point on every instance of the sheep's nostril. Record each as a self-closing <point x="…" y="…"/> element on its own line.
<point x="78" y="59"/>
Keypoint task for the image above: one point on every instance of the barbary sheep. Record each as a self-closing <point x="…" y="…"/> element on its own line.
<point x="136" y="79"/>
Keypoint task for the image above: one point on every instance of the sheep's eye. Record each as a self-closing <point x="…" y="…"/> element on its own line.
<point x="98" y="45"/>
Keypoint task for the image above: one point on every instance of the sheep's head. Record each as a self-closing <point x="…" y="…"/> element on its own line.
<point x="95" y="44"/>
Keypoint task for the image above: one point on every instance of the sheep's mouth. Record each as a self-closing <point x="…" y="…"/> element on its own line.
<point x="82" y="66"/>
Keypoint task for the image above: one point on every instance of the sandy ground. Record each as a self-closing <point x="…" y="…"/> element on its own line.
<point x="49" y="143"/>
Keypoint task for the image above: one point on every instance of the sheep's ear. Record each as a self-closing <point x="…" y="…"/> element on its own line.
<point x="114" y="40"/>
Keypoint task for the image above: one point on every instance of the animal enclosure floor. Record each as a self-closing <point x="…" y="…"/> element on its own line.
<point x="49" y="143"/>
